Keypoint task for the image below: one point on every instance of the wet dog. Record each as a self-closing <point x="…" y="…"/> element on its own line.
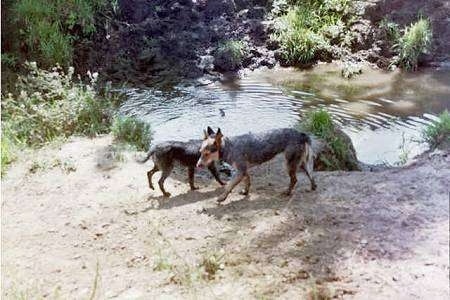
<point x="165" y="154"/>
<point x="247" y="150"/>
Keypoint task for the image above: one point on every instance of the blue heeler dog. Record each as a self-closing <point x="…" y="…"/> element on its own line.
<point x="247" y="150"/>
<point x="165" y="154"/>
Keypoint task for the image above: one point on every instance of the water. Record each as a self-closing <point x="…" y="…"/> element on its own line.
<point x="383" y="113"/>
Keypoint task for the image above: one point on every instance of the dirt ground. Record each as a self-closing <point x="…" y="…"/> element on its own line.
<point x="72" y="230"/>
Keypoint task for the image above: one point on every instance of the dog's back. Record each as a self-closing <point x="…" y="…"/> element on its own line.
<point x="261" y="147"/>
<point x="166" y="152"/>
<point x="185" y="152"/>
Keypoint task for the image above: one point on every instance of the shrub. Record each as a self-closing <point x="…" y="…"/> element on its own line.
<point x="390" y="29"/>
<point x="416" y="40"/>
<point x="230" y="54"/>
<point x="438" y="132"/>
<point x="132" y="131"/>
<point x="340" y="153"/>
<point x="309" y="27"/>
<point x="7" y="155"/>
<point x="49" y="28"/>
<point x="51" y="104"/>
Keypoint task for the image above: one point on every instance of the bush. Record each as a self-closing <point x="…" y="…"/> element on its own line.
<point x="230" y="54"/>
<point x="309" y="27"/>
<point x="416" y="40"/>
<point x="339" y="153"/>
<point x="51" y="104"/>
<point x="438" y="132"/>
<point x="7" y="155"/>
<point x="132" y="131"/>
<point x="49" y="28"/>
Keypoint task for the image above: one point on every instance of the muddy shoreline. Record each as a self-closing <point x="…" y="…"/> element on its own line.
<point x="72" y="230"/>
<point x="163" y="42"/>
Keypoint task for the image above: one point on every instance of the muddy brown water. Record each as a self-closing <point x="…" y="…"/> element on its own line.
<point x="384" y="113"/>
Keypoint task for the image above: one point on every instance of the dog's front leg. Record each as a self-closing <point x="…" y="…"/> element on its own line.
<point x="213" y="170"/>
<point x="230" y="185"/>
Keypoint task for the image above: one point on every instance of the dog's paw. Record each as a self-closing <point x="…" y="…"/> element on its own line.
<point x="286" y="193"/>
<point x="166" y="194"/>
<point x="221" y="198"/>
<point x="243" y="192"/>
<point x="193" y="188"/>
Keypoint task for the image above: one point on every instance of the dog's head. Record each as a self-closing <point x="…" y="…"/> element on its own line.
<point x="209" y="151"/>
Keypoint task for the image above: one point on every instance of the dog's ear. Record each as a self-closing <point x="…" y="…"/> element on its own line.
<point x="205" y="134"/>
<point x="210" y="131"/>
<point x="219" y="133"/>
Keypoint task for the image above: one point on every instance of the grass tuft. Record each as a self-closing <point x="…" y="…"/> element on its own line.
<point x="320" y="124"/>
<point x="416" y="40"/>
<point x="7" y="151"/>
<point x="308" y="28"/>
<point x="51" y="104"/>
<point x="230" y="54"/>
<point x="212" y="263"/>
<point x="438" y="132"/>
<point x="132" y="131"/>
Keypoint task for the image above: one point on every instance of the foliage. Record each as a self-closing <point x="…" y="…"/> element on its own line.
<point x="438" y="132"/>
<point x="390" y="29"/>
<point x="132" y="131"/>
<point x="7" y="154"/>
<point x="320" y="124"/>
<point x="212" y="263"/>
<point x="50" y="104"/>
<point x="416" y="40"/>
<point x="233" y="52"/>
<point x="310" y="27"/>
<point x="49" y="28"/>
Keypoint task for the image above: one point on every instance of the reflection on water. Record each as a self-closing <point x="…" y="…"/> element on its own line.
<point x="383" y="113"/>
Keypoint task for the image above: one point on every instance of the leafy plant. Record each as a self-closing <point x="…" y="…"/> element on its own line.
<point x="52" y="104"/>
<point x="391" y="29"/>
<point x="416" y="40"/>
<point x="49" y="28"/>
<point x="212" y="263"/>
<point x="132" y="131"/>
<point x="7" y="151"/>
<point x="231" y="53"/>
<point x="320" y="124"/>
<point x="438" y="132"/>
<point x="309" y="28"/>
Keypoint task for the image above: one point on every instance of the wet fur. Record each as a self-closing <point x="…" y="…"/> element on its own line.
<point x="165" y="154"/>
<point x="247" y="150"/>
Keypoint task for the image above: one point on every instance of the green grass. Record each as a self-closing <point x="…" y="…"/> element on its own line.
<point x="7" y="151"/>
<point x="49" y="28"/>
<point x="416" y="40"/>
<point x="391" y="29"/>
<point x="52" y="104"/>
<point x="438" y="132"/>
<point x="132" y="131"/>
<point x="232" y="51"/>
<point x="320" y="124"/>
<point x="308" y="28"/>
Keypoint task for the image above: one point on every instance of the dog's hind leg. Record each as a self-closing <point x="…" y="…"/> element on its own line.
<point x="308" y="166"/>
<point x="247" y="182"/>
<point x="165" y="173"/>
<point x="150" y="175"/>
<point x="292" y="161"/>
<point x="191" y="171"/>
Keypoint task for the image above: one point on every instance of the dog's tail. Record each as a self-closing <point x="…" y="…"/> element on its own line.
<point x="147" y="156"/>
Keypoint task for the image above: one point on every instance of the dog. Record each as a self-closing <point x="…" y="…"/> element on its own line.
<point x="245" y="151"/>
<point x="165" y="154"/>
